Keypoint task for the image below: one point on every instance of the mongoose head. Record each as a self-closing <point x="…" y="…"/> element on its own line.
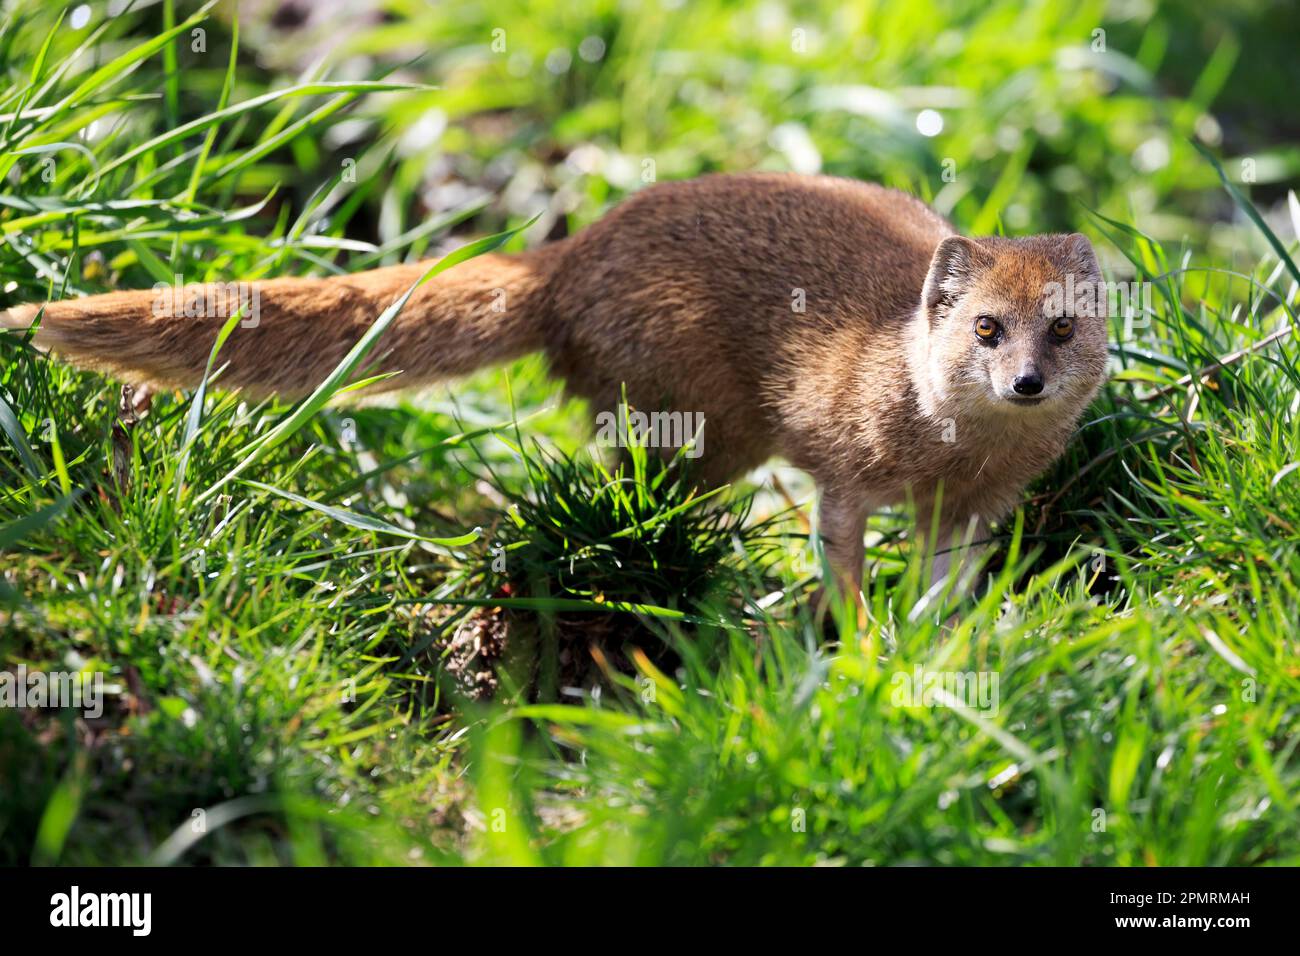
<point x="1013" y="326"/>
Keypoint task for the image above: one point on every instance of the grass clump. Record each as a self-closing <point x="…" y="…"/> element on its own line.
<point x="593" y="562"/>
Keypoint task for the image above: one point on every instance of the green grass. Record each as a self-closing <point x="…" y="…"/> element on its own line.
<point x="280" y="597"/>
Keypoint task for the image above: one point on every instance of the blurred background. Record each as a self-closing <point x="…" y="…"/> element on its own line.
<point x="1008" y="116"/>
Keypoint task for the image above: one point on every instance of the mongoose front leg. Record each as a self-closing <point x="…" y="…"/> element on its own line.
<point x="841" y="524"/>
<point x="959" y="545"/>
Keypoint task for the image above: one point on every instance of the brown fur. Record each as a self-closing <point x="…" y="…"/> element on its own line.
<point x="685" y="293"/>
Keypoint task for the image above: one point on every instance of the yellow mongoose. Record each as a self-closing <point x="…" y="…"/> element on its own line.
<point x="839" y="324"/>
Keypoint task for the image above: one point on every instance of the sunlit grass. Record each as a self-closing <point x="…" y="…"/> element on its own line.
<point x="271" y="590"/>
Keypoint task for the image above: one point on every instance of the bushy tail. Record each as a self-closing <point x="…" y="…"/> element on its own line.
<point x="295" y="331"/>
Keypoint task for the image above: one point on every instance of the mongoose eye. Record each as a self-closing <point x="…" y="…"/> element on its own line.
<point x="987" y="328"/>
<point x="1062" y="329"/>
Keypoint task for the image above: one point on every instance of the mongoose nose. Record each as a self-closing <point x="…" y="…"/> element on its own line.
<point x="1030" y="384"/>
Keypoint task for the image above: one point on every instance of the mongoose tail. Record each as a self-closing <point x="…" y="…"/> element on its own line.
<point x="294" y="331"/>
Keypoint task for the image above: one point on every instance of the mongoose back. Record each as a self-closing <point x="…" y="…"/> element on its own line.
<point x="842" y="325"/>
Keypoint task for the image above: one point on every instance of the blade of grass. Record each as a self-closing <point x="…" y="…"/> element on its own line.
<point x="365" y="522"/>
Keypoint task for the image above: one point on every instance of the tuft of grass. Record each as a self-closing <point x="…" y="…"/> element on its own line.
<point x="590" y="563"/>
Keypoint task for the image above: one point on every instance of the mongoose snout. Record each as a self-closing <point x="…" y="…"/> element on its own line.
<point x="1029" y="383"/>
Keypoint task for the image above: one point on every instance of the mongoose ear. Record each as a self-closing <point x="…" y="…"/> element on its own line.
<point x="1078" y="256"/>
<point x="954" y="262"/>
